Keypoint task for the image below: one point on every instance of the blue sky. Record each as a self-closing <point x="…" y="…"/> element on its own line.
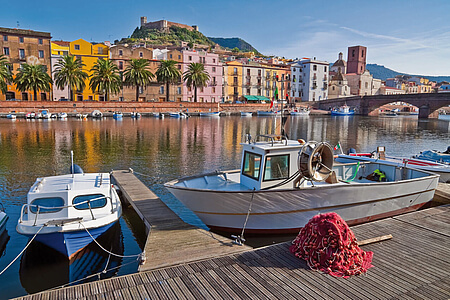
<point x="408" y="36"/>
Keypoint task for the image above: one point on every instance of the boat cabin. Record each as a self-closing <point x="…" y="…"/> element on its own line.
<point x="267" y="163"/>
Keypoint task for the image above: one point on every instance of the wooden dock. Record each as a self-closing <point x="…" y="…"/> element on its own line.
<point x="170" y="240"/>
<point x="414" y="264"/>
<point x="442" y="194"/>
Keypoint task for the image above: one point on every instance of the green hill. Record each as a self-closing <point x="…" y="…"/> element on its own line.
<point x="173" y="37"/>
<point x="383" y="73"/>
<point x="231" y="43"/>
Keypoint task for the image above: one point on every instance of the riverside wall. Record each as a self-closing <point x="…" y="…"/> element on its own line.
<point x="125" y="107"/>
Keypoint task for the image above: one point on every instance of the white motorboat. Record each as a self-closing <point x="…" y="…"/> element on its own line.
<point x="264" y="113"/>
<point x="135" y="115"/>
<point x="67" y="212"/>
<point x="177" y="115"/>
<point x="96" y="114"/>
<point x="62" y="115"/>
<point x="246" y="114"/>
<point x="283" y="183"/>
<point x="30" y="115"/>
<point x="44" y="114"/>
<point x="300" y="112"/>
<point x="443" y="170"/>
<point x="210" y="114"/>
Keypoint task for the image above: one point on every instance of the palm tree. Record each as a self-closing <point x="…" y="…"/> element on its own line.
<point x="5" y="74"/>
<point x="105" y="78"/>
<point x="69" y="72"/>
<point x="196" y="76"/>
<point x="34" y="78"/>
<point x="137" y="74"/>
<point x="167" y="73"/>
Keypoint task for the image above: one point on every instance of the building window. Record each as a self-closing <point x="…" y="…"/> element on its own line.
<point x="24" y="96"/>
<point x="20" y="39"/>
<point x="213" y="89"/>
<point x="235" y="70"/>
<point x="22" y="53"/>
<point x="353" y="53"/>
<point x="362" y="53"/>
<point x="120" y="52"/>
<point x="248" y="91"/>
<point x="77" y="47"/>
<point x="6" y="50"/>
<point x="40" y="41"/>
<point x="5" y="38"/>
<point x="120" y="65"/>
<point x="41" y="53"/>
<point x="179" y="56"/>
<point x="100" y="50"/>
<point x="90" y="98"/>
<point x="179" y="90"/>
<point x="214" y="60"/>
<point x="179" y="67"/>
<point x="259" y="72"/>
<point x="214" y="69"/>
<point x="190" y="57"/>
<point x="325" y="68"/>
<point x="170" y="56"/>
<point x="314" y="68"/>
<point x="161" y="90"/>
<point x="43" y="96"/>
<point x="141" y="54"/>
<point x="141" y="90"/>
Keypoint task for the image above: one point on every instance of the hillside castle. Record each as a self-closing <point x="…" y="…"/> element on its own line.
<point x="164" y="25"/>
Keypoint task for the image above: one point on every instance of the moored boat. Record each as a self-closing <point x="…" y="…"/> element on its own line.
<point x="343" y="110"/>
<point x="3" y="218"/>
<point x="62" y="115"/>
<point x="246" y="114"/>
<point x="96" y="114"/>
<point x="117" y="115"/>
<point x="30" y="115"/>
<point x="135" y="115"/>
<point x="11" y="116"/>
<point x="300" y="112"/>
<point x="283" y="183"/>
<point x="443" y="170"/>
<point x="436" y="156"/>
<point x="210" y="114"/>
<point x="266" y="113"/>
<point x="67" y="212"/>
<point x="177" y="115"/>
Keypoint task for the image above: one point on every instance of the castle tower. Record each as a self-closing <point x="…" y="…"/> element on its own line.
<point x="356" y="59"/>
<point x="143" y="21"/>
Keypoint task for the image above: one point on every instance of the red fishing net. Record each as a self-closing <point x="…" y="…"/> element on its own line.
<point x="327" y="244"/>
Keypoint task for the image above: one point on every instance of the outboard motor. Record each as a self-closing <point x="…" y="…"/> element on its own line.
<point x="76" y="169"/>
<point x="351" y="150"/>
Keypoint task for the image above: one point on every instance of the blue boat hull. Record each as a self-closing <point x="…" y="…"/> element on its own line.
<point x="69" y="243"/>
<point x="336" y="113"/>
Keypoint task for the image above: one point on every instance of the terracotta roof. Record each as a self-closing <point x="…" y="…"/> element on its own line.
<point x="339" y="63"/>
<point x="61" y="43"/>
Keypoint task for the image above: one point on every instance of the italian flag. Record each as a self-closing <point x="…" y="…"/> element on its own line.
<point x="338" y="146"/>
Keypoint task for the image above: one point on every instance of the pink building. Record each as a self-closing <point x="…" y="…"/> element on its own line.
<point x="212" y="92"/>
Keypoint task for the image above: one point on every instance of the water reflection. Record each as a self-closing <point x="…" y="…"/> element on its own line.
<point x="80" y="269"/>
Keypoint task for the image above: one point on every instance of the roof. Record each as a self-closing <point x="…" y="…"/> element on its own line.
<point x="339" y="63"/>
<point x="61" y="43"/>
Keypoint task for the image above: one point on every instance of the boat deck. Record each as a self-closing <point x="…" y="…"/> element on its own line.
<point x="414" y="264"/>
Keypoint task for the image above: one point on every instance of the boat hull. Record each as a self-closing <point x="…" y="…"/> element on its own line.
<point x="285" y="211"/>
<point x="338" y="113"/>
<point x="69" y="243"/>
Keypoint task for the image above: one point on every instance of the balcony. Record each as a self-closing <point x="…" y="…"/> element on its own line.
<point x="214" y="83"/>
<point x="234" y="74"/>
<point x="234" y="84"/>
<point x="248" y="76"/>
<point x="325" y="78"/>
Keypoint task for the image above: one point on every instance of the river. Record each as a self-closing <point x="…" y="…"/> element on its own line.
<point x="159" y="151"/>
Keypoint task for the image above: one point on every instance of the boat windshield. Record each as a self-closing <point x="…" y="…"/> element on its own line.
<point x="47" y="205"/>
<point x="252" y="165"/>
<point x="277" y="167"/>
<point x="83" y="201"/>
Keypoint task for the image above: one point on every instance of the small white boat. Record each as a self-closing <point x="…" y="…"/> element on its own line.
<point x="53" y="116"/>
<point x="284" y="183"/>
<point x="67" y="212"/>
<point x="135" y="115"/>
<point x="264" y="113"/>
<point x="11" y="116"/>
<point x="81" y="116"/>
<point x="30" y="115"/>
<point x="158" y="115"/>
<point x="3" y="219"/>
<point x="177" y="115"/>
<point x="117" y="115"/>
<point x="342" y="111"/>
<point x="210" y="114"/>
<point x="62" y="115"/>
<point x="246" y="114"/>
<point x="443" y="170"/>
<point x="300" y="112"/>
<point x="44" y="114"/>
<point x="96" y="114"/>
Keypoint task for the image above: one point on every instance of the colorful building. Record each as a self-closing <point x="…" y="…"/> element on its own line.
<point x="311" y="79"/>
<point x="59" y="49"/>
<point x="232" y="81"/>
<point x="89" y="54"/>
<point x="25" y="46"/>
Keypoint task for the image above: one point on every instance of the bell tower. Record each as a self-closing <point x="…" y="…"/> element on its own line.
<point x="356" y="59"/>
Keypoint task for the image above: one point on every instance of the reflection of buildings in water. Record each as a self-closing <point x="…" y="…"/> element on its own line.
<point x="42" y="267"/>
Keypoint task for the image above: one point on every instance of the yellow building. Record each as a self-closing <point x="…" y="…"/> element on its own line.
<point x="232" y="85"/>
<point x="89" y="54"/>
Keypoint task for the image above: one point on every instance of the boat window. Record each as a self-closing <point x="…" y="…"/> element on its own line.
<point x="277" y="167"/>
<point x="47" y="205"/>
<point x="252" y="165"/>
<point x="96" y="201"/>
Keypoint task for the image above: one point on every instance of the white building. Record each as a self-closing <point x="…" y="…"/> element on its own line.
<point x="309" y="81"/>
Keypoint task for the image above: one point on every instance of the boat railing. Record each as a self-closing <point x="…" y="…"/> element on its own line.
<point x="273" y="138"/>
<point x="41" y="207"/>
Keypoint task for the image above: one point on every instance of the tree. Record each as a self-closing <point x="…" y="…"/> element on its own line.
<point x="5" y="74"/>
<point x="137" y="74"/>
<point x="69" y="72"/>
<point x="33" y="78"/>
<point x="167" y="73"/>
<point x="196" y="76"/>
<point x="235" y="50"/>
<point x="105" y="78"/>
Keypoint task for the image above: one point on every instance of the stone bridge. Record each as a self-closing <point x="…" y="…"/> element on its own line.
<point x="428" y="103"/>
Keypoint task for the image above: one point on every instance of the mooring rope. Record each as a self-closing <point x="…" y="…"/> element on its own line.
<point x="140" y="255"/>
<point x="29" y="242"/>
<point x="240" y="238"/>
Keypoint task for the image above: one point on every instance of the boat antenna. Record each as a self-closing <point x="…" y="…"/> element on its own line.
<point x="71" y="158"/>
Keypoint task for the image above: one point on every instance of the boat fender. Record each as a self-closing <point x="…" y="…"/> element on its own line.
<point x="76" y="169"/>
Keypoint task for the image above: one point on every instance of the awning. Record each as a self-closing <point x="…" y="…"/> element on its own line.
<point x="251" y="98"/>
<point x="262" y="98"/>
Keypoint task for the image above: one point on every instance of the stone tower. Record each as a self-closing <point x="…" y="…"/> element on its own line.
<point x="143" y="21"/>
<point x="356" y="59"/>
